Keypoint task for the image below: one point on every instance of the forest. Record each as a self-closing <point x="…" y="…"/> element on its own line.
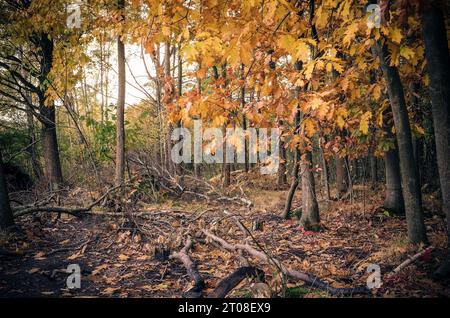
<point x="224" y="148"/>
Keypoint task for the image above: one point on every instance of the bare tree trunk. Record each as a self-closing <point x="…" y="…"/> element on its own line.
<point x="373" y="171"/>
<point x="297" y="158"/>
<point x="437" y="55"/>
<point x="324" y="174"/>
<point x="168" y="77"/>
<point x="296" y="171"/>
<point x="244" y="120"/>
<point x="226" y="167"/>
<point x="282" y="178"/>
<point x="179" y="167"/>
<point x="310" y="210"/>
<point x="341" y="177"/>
<point x="49" y="138"/>
<point x="410" y="180"/>
<point x="32" y="148"/>
<point x="120" y="114"/>
<point x="6" y="216"/>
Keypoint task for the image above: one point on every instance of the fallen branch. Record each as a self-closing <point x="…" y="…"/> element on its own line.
<point x="231" y="281"/>
<point x="199" y="283"/>
<point x="313" y="280"/>
<point x="75" y="211"/>
<point x="411" y="259"/>
<point x="247" y="202"/>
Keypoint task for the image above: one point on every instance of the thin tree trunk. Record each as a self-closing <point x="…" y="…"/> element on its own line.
<point x="168" y="77"/>
<point x="6" y="216"/>
<point x="341" y="177"/>
<point x="437" y="55"/>
<point x="296" y="170"/>
<point x="244" y="120"/>
<point x="410" y="180"/>
<point x="325" y="181"/>
<point x="310" y="209"/>
<point x="373" y="171"/>
<point x="297" y="158"/>
<point x="179" y="167"/>
<point x="120" y="113"/>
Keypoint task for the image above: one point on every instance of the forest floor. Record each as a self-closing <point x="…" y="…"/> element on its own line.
<point x="116" y="252"/>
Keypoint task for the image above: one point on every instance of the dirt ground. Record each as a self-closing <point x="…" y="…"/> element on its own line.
<point x="116" y="252"/>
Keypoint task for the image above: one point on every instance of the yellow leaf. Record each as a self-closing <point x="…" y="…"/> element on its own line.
<point x="309" y="127"/>
<point x="396" y="35"/>
<point x="364" y="123"/>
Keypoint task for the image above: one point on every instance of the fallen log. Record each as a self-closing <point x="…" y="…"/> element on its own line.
<point x="199" y="283"/>
<point x="231" y="281"/>
<point x="312" y="280"/>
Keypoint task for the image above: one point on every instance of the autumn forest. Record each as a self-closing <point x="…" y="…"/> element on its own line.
<point x="225" y="149"/>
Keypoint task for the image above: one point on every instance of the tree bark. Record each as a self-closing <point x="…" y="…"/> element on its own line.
<point x="50" y="147"/>
<point x="6" y="216"/>
<point x="310" y="209"/>
<point x="373" y="171"/>
<point x="437" y="55"/>
<point x="120" y="112"/>
<point x="324" y="174"/>
<point x="341" y="177"/>
<point x="297" y="158"/>
<point x="282" y="179"/>
<point x="49" y="138"/>
<point x="410" y="180"/>
<point x="393" y="200"/>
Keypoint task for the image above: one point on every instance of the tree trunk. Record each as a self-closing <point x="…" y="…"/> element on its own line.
<point x="168" y="77"/>
<point x="296" y="170"/>
<point x="410" y="180"/>
<point x="437" y="55"/>
<point x="226" y="167"/>
<point x="324" y="174"/>
<point x="53" y="173"/>
<point x="179" y="167"/>
<point x="297" y="158"/>
<point x="373" y="172"/>
<point x="393" y="200"/>
<point x="310" y="209"/>
<point x="282" y="179"/>
<point x="341" y="177"/>
<point x="6" y="216"/>
<point x="32" y="149"/>
<point x="120" y="113"/>
<point x="49" y="138"/>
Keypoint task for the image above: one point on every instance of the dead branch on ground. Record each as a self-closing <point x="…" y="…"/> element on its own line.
<point x="311" y="279"/>
<point x="227" y="284"/>
<point x="183" y="256"/>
